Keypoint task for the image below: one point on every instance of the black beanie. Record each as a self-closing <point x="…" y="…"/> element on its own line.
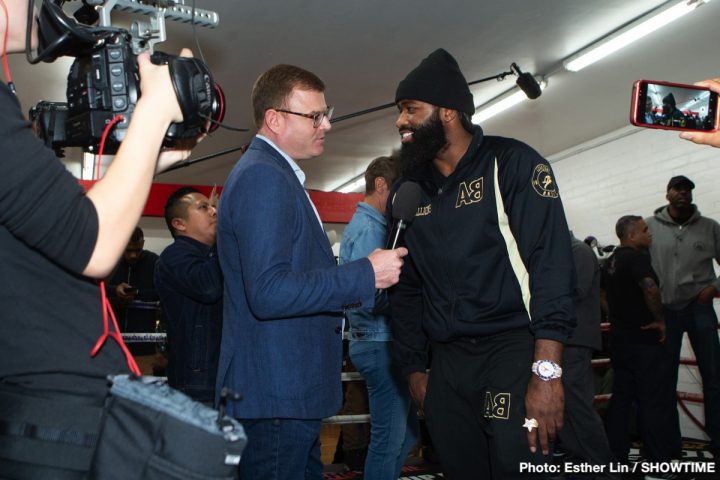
<point x="438" y="81"/>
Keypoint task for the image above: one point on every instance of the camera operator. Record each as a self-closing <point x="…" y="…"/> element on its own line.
<point x="55" y="240"/>
<point x="702" y="138"/>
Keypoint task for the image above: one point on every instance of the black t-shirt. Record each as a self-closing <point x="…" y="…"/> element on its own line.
<point x="51" y="315"/>
<point x="621" y="275"/>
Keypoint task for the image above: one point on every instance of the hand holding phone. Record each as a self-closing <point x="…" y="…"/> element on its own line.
<point x="674" y="106"/>
<point x="706" y="138"/>
<point x="125" y="293"/>
<point x="131" y="291"/>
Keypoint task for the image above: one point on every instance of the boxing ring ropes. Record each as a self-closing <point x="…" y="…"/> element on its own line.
<point x="682" y="397"/>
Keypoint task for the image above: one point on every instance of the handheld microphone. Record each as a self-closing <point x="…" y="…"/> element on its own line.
<point x="526" y="82"/>
<point x="404" y="205"/>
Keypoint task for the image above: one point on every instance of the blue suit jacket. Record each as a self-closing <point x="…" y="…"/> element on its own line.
<point x="284" y="294"/>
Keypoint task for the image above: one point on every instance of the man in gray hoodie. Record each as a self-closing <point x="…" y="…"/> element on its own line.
<point x="683" y="248"/>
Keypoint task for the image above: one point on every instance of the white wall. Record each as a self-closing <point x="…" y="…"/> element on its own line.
<point x="626" y="172"/>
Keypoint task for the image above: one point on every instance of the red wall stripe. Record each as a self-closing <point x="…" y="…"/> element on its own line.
<point x="333" y="207"/>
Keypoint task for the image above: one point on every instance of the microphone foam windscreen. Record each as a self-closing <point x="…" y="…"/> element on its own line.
<point x="406" y="201"/>
<point x="529" y="85"/>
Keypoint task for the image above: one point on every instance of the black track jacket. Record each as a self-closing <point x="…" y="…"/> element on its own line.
<point x="489" y="251"/>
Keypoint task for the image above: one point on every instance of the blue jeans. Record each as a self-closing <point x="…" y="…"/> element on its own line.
<point x="700" y="322"/>
<point x="394" y="425"/>
<point x="281" y="449"/>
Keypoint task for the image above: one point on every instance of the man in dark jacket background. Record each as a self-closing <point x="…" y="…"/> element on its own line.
<point x="189" y="281"/>
<point x="132" y="281"/>
<point x="583" y="434"/>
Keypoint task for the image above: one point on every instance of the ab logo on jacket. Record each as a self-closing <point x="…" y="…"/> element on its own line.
<point x="469" y="192"/>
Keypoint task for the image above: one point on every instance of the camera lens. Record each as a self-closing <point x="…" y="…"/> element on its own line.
<point x="217" y="114"/>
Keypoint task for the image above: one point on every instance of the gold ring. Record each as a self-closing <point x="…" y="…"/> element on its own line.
<point x="530" y="423"/>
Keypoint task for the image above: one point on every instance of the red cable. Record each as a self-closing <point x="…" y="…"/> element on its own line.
<point x="4" y="47"/>
<point x="106" y="307"/>
<point x="116" y="119"/>
<point x="132" y="365"/>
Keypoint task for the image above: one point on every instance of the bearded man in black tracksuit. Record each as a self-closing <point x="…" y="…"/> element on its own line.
<point x="486" y="286"/>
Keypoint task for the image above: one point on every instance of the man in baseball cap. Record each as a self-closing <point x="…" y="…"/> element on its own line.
<point x="683" y="249"/>
<point x="677" y="181"/>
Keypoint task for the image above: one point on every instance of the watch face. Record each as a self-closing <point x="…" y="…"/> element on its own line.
<point x="546" y="369"/>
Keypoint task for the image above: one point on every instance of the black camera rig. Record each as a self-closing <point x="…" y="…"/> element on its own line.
<point x="104" y="81"/>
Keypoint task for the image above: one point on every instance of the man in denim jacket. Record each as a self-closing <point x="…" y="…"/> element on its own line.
<point x="393" y="429"/>
<point x="190" y="284"/>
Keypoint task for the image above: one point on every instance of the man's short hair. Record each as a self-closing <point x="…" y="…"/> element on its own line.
<point x="137" y="235"/>
<point x="626" y="225"/>
<point x="175" y="207"/>
<point x="273" y="88"/>
<point x="385" y="167"/>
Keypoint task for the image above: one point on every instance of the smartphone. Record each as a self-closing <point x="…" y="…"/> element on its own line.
<point x="131" y="291"/>
<point x="673" y="106"/>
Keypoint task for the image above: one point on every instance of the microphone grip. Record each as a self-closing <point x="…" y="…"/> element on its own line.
<point x="394" y="238"/>
<point x="394" y="241"/>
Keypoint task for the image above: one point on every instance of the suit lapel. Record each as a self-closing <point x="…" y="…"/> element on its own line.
<point x="300" y="194"/>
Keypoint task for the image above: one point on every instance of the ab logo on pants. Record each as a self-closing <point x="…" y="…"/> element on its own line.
<point x="497" y="406"/>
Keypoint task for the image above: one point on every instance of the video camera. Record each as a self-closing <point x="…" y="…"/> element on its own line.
<point x="104" y="81"/>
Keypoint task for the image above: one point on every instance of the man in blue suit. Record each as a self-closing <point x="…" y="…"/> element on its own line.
<point x="284" y="294"/>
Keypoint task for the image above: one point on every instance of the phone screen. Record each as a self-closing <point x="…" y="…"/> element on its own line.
<point x="674" y="106"/>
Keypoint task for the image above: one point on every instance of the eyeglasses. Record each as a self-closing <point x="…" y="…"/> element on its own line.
<point x="317" y="118"/>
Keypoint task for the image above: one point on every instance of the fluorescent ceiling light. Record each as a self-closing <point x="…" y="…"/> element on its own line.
<point x="635" y="31"/>
<point x="503" y="102"/>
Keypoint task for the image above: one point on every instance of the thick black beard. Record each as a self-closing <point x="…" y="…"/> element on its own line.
<point x="427" y="141"/>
